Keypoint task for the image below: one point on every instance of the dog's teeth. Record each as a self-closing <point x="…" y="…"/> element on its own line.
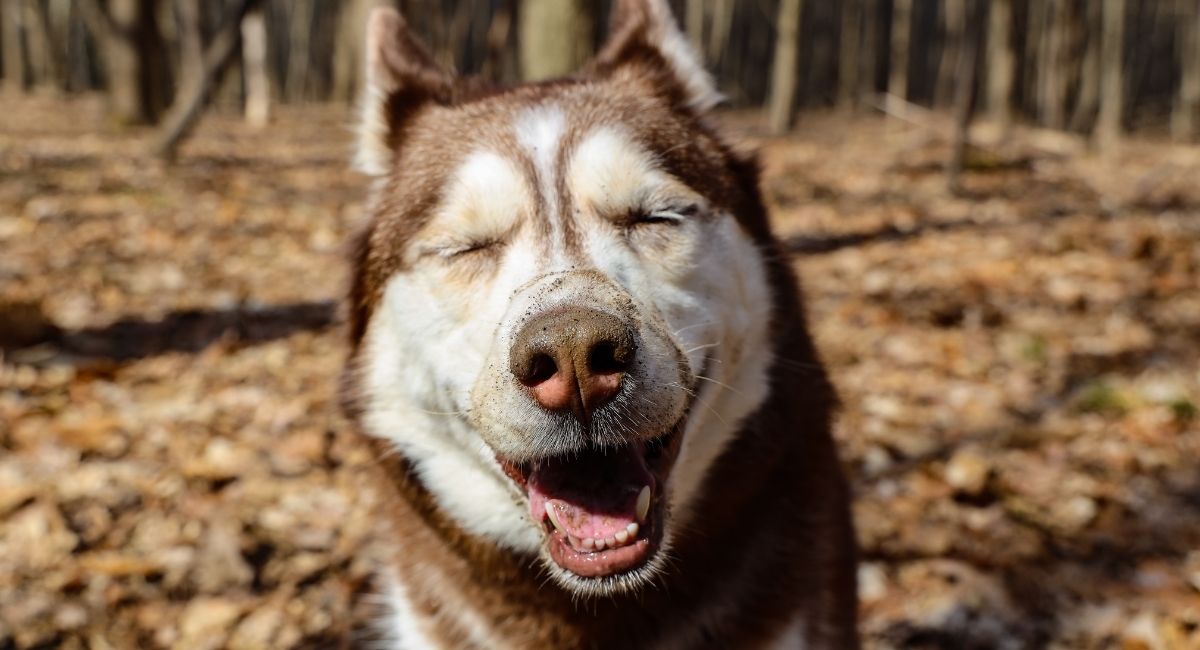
<point x="589" y="544"/>
<point x="574" y="541"/>
<point x="599" y="544"/>
<point x="553" y="517"/>
<point x="632" y="529"/>
<point x="622" y="536"/>
<point x="610" y="541"/>
<point x="643" y="504"/>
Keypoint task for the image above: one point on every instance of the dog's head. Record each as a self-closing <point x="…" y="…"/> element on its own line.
<point x="560" y="311"/>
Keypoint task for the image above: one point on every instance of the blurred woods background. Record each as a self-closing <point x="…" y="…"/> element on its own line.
<point x="1096" y="67"/>
<point x="1016" y="352"/>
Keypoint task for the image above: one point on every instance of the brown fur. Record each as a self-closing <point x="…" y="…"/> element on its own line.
<point x="772" y="538"/>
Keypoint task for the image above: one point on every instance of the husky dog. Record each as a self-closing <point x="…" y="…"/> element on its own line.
<point x="582" y="363"/>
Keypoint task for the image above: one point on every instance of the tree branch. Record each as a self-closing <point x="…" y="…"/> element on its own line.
<point x="189" y="103"/>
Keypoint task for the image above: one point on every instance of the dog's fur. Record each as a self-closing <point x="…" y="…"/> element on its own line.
<point x="612" y="189"/>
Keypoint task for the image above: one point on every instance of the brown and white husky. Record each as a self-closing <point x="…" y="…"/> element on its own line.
<point x="583" y="365"/>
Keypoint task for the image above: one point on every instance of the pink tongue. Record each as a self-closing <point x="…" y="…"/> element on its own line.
<point x="593" y="494"/>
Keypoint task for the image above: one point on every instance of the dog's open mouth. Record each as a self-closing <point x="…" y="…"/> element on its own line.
<point x="602" y="508"/>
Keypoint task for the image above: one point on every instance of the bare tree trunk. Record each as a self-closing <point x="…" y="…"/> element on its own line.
<point x="191" y="42"/>
<point x="299" y="29"/>
<point x="1051" y="64"/>
<point x="189" y="102"/>
<point x="954" y="26"/>
<point x="695" y="23"/>
<point x="119" y="63"/>
<point x="14" y="49"/>
<point x="901" y="29"/>
<point x="785" y="67"/>
<point x="718" y="32"/>
<point x="126" y="32"/>
<point x="848" y="61"/>
<point x="500" y="64"/>
<point x="1029" y="75"/>
<point x="968" y="66"/>
<point x="868" y="67"/>
<point x="1112" y="91"/>
<point x="55" y="16"/>
<point x="454" y="50"/>
<point x="80" y="73"/>
<point x="348" y="54"/>
<point x="43" y="63"/>
<point x="254" y="63"/>
<point x="1187" y="105"/>
<point x="555" y="37"/>
<point x="1089" y="82"/>
<point x="1001" y="62"/>
<point x="124" y="66"/>
<point x="1150" y="22"/>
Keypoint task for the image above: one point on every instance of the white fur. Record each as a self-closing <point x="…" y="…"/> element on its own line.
<point x="736" y="381"/>
<point x="420" y="367"/>
<point x="487" y="194"/>
<point x="610" y="174"/>
<point x="403" y="628"/>
<point x="406" y="629"/>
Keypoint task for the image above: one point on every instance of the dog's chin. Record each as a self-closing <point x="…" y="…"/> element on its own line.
<point x="602" y="513"/>
<point x="630" y="581"/>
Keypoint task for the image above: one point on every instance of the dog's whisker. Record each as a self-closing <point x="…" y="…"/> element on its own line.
<point x="428" y="412"/>
<point x="692" y="326"/>
<point x="714" y="412"/>
<point x="685" y="389"/>
<point x="721" y="384"/>
<point x="702" y="347"/>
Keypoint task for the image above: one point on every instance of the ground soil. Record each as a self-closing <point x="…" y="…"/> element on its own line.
<point x="1019" y="363"/>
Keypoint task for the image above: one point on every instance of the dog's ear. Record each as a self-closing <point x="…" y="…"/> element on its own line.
<point x="645" y="40"/>
<point x="401" y="79"/>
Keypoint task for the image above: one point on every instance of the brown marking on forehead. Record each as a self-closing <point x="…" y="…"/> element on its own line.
<point x="539" y="215"/>
<point x="566" y="202"/>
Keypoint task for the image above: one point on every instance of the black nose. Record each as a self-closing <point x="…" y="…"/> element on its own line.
<point x="573" y="359"/>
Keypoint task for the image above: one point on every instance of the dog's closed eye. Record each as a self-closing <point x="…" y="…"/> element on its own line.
<point x="657" y="218"/>
<point x="458" y="249"/>
<point x="672" y="216"/>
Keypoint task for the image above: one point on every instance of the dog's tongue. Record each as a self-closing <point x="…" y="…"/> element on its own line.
<point x="591" y="495"/>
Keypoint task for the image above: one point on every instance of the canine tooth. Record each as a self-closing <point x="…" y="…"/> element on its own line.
<point x="643" y="503"/>
<point x="610" y="541"/>
<point x="621" y="536"/>
<point x="574" y="541"/>
<point x="632" y="529"/>
<point x="553" y="517"/>
<point x="589" y="544"/>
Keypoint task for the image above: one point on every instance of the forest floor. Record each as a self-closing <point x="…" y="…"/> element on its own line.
<point x="1019" y="362"/>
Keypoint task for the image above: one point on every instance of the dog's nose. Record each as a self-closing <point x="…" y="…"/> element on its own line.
<point x="573" y="359"/>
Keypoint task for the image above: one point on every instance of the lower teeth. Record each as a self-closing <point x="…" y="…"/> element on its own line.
<point x="620" y="538"/>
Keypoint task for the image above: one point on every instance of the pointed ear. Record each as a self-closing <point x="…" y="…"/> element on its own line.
<point x="644" y="34"/>
<point x="401" y="78"/>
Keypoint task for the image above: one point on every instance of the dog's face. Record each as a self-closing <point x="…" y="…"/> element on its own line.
<point x="560" y="314"/>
